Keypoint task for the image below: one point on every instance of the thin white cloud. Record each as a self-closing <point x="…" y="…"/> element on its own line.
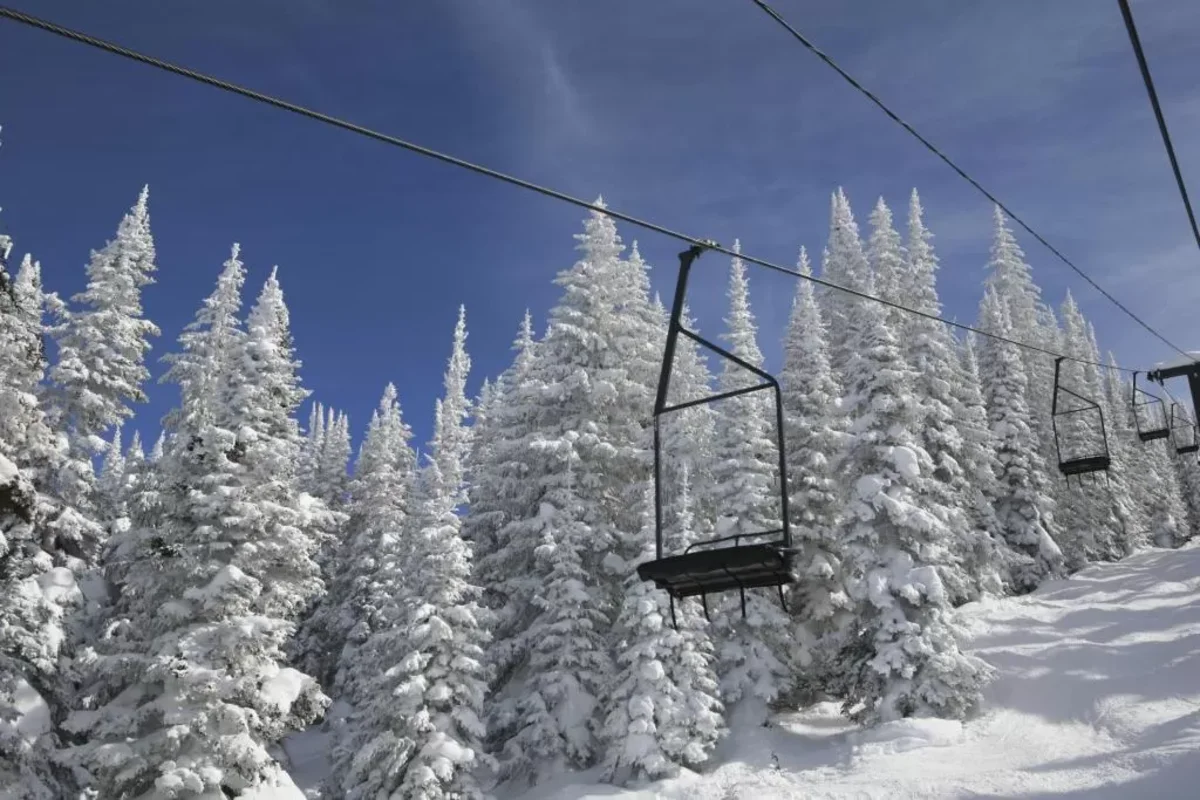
<point x="510" y="39"/>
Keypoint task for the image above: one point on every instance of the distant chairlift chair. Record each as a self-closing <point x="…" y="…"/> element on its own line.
<point x="1183" y="431"/>
<point x="704" y="567"/>
<point x="1149" y="415"/>
<point x="1099" y="460"/>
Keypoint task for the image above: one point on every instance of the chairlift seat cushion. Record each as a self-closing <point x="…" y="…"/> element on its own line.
<point x="1082" y="466"/>
<point x="1150" y="436"/>
<point x="1187" y="448"/>
<point x="720" y="569"/>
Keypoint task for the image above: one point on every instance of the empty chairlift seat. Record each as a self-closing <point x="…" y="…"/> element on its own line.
<point x="1080" y="438"/>
<point x="739" y="562"/>
<point x="706" y="568"/>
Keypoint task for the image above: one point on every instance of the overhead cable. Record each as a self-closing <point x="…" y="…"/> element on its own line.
<point x="1136" y="41"/>
<point x="116" y="49"/>
<point x="802" y="39"/>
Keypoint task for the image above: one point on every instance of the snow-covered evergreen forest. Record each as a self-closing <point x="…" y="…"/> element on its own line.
<point x="465" y="614"/>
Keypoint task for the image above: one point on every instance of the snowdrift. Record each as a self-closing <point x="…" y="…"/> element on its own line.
<point x="1097" y="696"/>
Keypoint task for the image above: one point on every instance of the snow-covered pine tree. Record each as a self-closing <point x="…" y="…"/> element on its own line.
<point x="844" y="263"/>
<point x="332" y="478"/>
<point x="498" y="495"/>
<point x="31" y="624"/>
<point x="102" y="347"/>
<point x="1088" y="528"/>
<point x="931" y="350"/>
<point x="1032" y="322"/>
<point x="750" y="649"/>
<point x="815" y="429"/>
<point x="1129" y="530"/>
<point x="662" y="711"/>
<point x="981" y="466"/>
<point x="424" y="713"/>
<point x="888" y="259"/>
<point x="1152" y="478"/>
<point x="27" y="429"/>
<point x="109" y="481"/>
<point x="310" y="455"/>
<point x="156" y="452"/>
<point x="902" y="658"/>
<point x="455" y="447"/>
<point x="1020" y="509"/>
<point x="590" y="390"/>
<point x="188" y="691"/>
<point x="381" y="495"/>
<point x="1189" y="482"/>
<point x="286" y="528"/>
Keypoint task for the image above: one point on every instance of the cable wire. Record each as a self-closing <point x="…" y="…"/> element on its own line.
<point x="802" y="39"/>
<point x="116" y="49"/>
<point x="1131" y="29"/>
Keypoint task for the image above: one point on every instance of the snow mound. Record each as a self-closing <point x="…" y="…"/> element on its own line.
<point x="284" y="687"/>
<point x="906" y="734"/>
<point x="58" y="586"/>
<point x="32" y="713"/>
<point x="277" y="787"/>
<point x="906" y="461"/>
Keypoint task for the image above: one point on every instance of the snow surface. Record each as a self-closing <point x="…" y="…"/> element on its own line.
<point x="33" y="714"/>
<point x="308" y="751"/>
<point x="1097" y="696"/>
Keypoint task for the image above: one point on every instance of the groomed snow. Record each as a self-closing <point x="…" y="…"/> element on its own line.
<point x="1097" y="696"/>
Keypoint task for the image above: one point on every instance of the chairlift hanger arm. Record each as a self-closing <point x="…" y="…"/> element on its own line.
<point x="1090" y="403"/>
<point x="674" y="326"/>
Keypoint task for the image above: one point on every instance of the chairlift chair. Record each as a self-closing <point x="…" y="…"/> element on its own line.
<point x="1099" y="460"/>
<point x="746" y="561"/>
<point x="1183" y="431"/>
<point x="1149" y="415"/>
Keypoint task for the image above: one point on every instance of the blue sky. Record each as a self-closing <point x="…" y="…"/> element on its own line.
<point x="702" y="116"/>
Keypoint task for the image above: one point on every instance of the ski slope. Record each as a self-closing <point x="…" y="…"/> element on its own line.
<point x="1097" y="696"/>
